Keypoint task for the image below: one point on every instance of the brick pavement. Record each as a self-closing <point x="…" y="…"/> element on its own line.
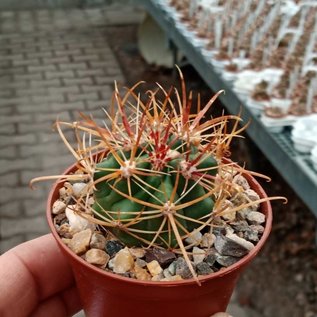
<point x="52" y="63"/>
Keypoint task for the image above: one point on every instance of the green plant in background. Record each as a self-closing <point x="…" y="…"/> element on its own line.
<point x="158" y="171"/>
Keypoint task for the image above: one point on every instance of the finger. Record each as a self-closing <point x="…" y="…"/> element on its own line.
<point x="64" y="304"/>
<point x="30" y="273"/>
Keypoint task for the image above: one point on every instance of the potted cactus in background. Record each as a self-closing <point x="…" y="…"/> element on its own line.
<point x="153" y="216"/>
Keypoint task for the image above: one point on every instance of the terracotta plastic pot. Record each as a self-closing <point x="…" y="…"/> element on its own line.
<point x="110" y="295"/>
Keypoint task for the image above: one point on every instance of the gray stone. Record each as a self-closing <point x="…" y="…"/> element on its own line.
<point x="251" y="235"/>
<point x="98" y="241"/>
<point x="167" y="273"/>
<point x="228" y="246"/>
<point x="241" y="181"/>
<point x="172" y="268"/>
<point x="226" y="260"/>
<point x="244" y="243"/>
<point x="253" y="196"/>
<point x="198" y="255"/>
<point x="258" y="228"/>
<point x="194" y="237"/>
<point x="162" y="256"/>
<point x="113" y="247"/>
<point x="211" y="257"/>
<point x="240" y="225"/>
<point x="140" y="262"/>
<point x="255" y="217"/>
<point x="242" y="214"/>
<point x="203" y="268"/>
<point x="182" y="268"/>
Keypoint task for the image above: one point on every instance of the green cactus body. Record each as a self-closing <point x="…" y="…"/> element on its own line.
<point x="139" y="208"/>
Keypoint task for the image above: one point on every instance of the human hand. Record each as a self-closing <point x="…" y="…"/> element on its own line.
<point x="35" y="280"/>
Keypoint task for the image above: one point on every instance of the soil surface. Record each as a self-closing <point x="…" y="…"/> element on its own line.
<point x="282" y="281"/>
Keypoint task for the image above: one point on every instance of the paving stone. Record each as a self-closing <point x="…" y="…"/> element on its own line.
<point x="11" y="210"/>
<point x="22" y="225"/>
<point x="34" y="207"/>
<point x="11" y="242"/>
<point x="37" y="91"/>
<point x="56" y="60"/>
<point x="59" y="74"/>
<point x="63" y="160"/>
<point x="32" y="108"/>
<point x="17" y="139"/>
<point x="78" y="81"/>
<point x="34" y="76"/>
<point x="65" y="89"/>
<point x="14" y="101"/>
<point x="51" y="117"/>
<point x="48" y="98"/>
<point x="7" y="165"/>
<point x="56" y="82"/>
<point x="39" y="149"/>
<point x="87" y="57"/>
<point x="97" y="88"/>
<point x="7" y="129"/>
<point x="39" y="67"/>
<point x="6" y="110"/>
<point x="64" y="52"/>
<point x="43" y="54"/>
<point x="8" y="152"/>
<point x="9" y="179"/>
<point x="83" y="96"/>
<point x="27" y="62"/>
<point x="90" y="72"/>
<point x="42" y="68"/>
<point x="73" y="66"/>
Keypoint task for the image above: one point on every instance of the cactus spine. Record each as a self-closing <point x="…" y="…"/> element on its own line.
<point x="157" y="172"/>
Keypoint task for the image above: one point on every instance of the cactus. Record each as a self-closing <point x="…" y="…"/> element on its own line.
<point x="158" y="172"/>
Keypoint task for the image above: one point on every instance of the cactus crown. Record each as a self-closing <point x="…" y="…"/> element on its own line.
<point x="157" y="172"/>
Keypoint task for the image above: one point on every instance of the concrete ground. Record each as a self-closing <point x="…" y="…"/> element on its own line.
<point x="52" y="64"/>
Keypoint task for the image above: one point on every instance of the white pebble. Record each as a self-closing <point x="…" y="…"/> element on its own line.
<point x="79" y="189"/>
<point x="255" y="217"/>
<point x="76" y="222"/>
<point x="243" y="242"/>
<point x="58" y="207"/>
<point x="198" y="255"/>
<point x="194" y="237"/>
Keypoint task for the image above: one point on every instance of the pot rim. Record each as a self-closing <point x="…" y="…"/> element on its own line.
<point x="266" y="206"/>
